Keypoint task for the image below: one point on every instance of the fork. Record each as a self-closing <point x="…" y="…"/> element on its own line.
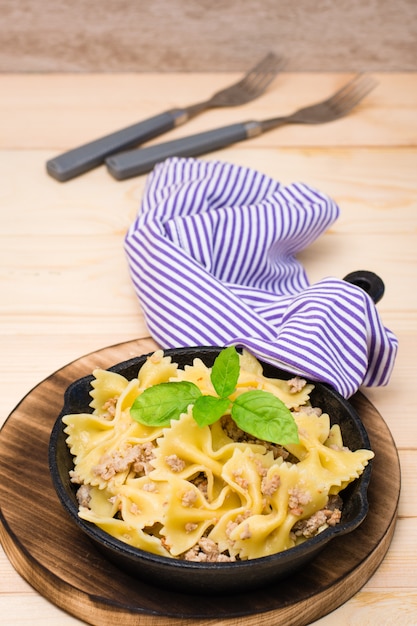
<point x="90" y="155"/>
<point x="135" y="162"/>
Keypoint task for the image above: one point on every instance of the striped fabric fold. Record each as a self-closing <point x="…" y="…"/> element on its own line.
<point x="212" y="257"/>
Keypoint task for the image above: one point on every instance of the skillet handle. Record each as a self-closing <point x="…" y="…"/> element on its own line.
<point x="369" y="282"/>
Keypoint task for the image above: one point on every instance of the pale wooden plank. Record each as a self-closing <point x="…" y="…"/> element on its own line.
<point x="93" y="204"/>
<point x="408" y="463"/>
<point x="368" y="608"/>
<point x="29" y="358"/>
<point x="83" y="276"/>
<point x="372" y="177"/>
<point x="10" y="581"/>
<point x="31" y="609"/>
<point x="376" y="189"/>
<point x="64" y="111"/>
<point x="398" y="569"/>
<point x="394" y="401"/>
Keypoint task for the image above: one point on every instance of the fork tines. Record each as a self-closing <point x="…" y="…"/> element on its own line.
<point x="353" y="92"/>
<point x="261" y="75"/>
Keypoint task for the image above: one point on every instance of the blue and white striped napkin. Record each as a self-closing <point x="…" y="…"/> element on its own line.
<point x="212" y="256"/>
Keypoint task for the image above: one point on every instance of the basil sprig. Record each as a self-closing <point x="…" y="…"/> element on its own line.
<point x="258" y="413"/>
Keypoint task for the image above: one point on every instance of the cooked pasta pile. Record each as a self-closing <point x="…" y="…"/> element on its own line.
<point x="208" y="493"/>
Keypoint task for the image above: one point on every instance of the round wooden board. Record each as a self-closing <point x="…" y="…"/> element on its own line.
<point x="48" y="550"/>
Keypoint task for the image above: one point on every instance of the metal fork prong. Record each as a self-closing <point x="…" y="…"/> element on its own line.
<point x="353" y="99"/>
<point x="263" y="80"/>
<point x="347" y="87"/>
<point x="268" y="63"/>
<point x="333" y="108"/>
<point x="352" y="93"/>
<point x="260" y="76"/>
<point x="246" y="89"/>
<point x="259" y="83"/>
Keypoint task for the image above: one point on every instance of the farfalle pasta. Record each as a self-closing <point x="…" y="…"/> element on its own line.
<point x="206" y="493"/>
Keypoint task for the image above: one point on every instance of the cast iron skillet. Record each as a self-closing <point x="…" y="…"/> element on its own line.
<point x="217" y="578"/>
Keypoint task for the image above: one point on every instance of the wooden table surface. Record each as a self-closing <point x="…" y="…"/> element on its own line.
<point x="65" y="289"/>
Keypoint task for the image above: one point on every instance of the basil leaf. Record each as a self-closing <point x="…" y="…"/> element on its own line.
<point x="160" y="404"/>
<point x="225" y="372"/>
<point x="264" y="416"/>
<point x="208" y="409"/>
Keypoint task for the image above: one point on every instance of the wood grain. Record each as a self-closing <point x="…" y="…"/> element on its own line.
<point x="59" y="112"/>
<point x="65" y="286"/>
<point x="179" y="35"/>
<point x="57" y="560"/>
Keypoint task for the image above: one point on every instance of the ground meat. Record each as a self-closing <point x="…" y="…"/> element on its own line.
<point x="150" y="487"/>
<point x="242" y="482"/>
<point x="335" y="517"/>
<point x="208" y="546"/>
<point x="188" y="498"/>
<point x="146" y="452"/>
<point x="270" y="485"/>
<point x="74" y="478"/>
<point x="308" y="410"/>
<point x="207" y="551"/>
<point x="231" y="525"/>
<point x="260" y="468"/>
<point x="234" y="432"/>
<point x="310" y="527"/>
<point x="134" y="509"/>
<point x="109" y="409"/>
<point x="201" y="483"/>
<point x="136" y="457"/>
<point x="190" y="527"/>
<point x="83" y="496"/>
<point x="246" y="533"/>
<point x="175" y="463"/>
<point x="298" y="498"/>
<point x="296" y="384"/>
<point x="330" y="515"/>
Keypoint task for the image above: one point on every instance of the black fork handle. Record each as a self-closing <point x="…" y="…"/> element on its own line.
<point x="88" y="156"/>
<point x="142" y="160"/>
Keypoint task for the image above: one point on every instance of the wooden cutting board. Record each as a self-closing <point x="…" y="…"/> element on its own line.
<point x="47" y="549"/>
